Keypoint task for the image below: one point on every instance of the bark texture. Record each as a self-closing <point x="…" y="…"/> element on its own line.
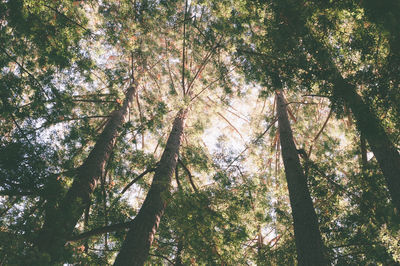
<point x="136" y="246"/>
<point x="310" y="249"/>
<point x="61" y="219"/>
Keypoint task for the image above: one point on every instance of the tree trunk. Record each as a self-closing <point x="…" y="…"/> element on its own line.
<point x="61" y="219"/>
<point x="368" y="123"/>
<point x="136" y="245"/>
<point x="310" y="249"/>
<point x="385" y="152"/>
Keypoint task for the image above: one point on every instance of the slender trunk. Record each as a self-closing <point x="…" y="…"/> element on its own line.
<point x="61" y="219"/>
<point x="310" y="249"/>
<point x="136" y="246"/>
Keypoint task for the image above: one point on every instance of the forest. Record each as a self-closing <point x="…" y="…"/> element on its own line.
<point x="199" y="132"/>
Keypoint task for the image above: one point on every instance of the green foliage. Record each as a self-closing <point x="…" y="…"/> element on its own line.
<point x="65" y="67"/>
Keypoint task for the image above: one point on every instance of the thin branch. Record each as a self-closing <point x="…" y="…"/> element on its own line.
<point x="132" y="70"/>
<point x="333" y="182"/>
<point x="320" y="131"/>
<point x="323" y="126"/>
<point x="22" y="132"/>
<point x="205" y="88"/>
<point x="275" y="240"/>
<point x="158" y="143"/>
<point x="163" y="257"/>
<point x="27" y="72"/>
<point x="154" y="78"/>
<point x="184" y="49"/>
<point x="149" y="170"/>
<point x="169" y="68"/>
<point x="291" y="114"/>
<point x="255" y="141"/>
<point x="355" y="244"/>
<point x="141" y="117"/>
<point x="315" y="95"/>
<point x="237" y="115"/>
<point x="63" y="120"/>
<point x="189" y="175"/>
<point x="95" y="95"/>
<point x="94" y="101"/>
<point x="73" y="100"/>
<point x="300" y="103"/>
<point x="177" y="177"/>
<point x="203" y="64"/>
<point x="262" y="110"/>
<point x="101" y="230"/>
<point x="234" y="128"/>
<point x="69" y="19"/>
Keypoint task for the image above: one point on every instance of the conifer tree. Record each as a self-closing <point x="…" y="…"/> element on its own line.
<point x="310" y="249"/>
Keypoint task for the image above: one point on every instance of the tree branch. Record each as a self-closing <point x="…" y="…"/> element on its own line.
<point x="183" y="50"/>
<point x="189" y="175"/>
<point x="319" y="132"/>
<point x="137" y="178"/>
<point x="234" y="128"/>
<point x="163" y="257"/>
<point x="255" y="141"/>
<point x="101" y="230"/>
<point x="66" y="17"/>
<point x="27" y="72"/>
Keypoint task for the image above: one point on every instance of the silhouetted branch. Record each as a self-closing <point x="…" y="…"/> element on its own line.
<point x="101" y="230"/>
<point x="137" y="178"/>
<point x="189" y="174"/>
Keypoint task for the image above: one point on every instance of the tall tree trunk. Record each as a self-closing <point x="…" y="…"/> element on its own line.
<point x="61" y="219"/>
<point x="136" y="245"/>
<point x="368" y="123"/>
<point x="310" y="249"/>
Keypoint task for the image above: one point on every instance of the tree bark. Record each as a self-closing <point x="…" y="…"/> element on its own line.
<point x="310" y="249"/>
<point x="136" y="246"/>
<point x="61" y="219"/>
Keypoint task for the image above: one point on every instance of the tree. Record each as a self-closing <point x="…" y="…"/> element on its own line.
<point x="62" y="217"/>
<point x="310" y="249"/>
<point x="305" y="55"/>
<point x="135" y="249"/>
<point x="95" y="165"/>
<point x="384" y="150"/>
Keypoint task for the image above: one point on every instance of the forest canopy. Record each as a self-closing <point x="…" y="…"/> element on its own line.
<point x="198" y="132"/>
